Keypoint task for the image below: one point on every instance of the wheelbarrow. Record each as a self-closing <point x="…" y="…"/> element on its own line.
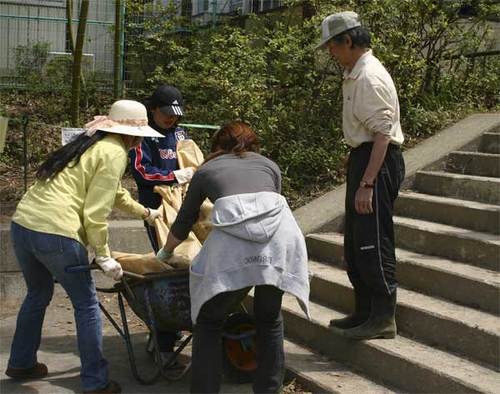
<point x="162" y="302"/>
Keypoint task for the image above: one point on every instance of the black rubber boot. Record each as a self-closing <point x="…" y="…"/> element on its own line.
<point x="362" y="306"/>
<point x="381" y="324"/>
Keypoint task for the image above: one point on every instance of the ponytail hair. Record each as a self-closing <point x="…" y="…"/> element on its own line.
<point x="235" y="137"/>
<point x="59" y="159"/>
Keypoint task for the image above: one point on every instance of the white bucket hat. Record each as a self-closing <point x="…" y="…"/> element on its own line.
<point x="336" y="24"/>
<point x="125" y="117"/>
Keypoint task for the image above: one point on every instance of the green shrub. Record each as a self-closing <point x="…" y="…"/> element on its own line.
<point x="267" y="73"/>
<point x="264" y="70"/>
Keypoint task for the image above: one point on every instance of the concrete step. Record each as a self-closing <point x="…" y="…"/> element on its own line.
<point x="467" y="187"/>
<point x="124" y="236"/>
<point x="474" y="163"/>
<point x="318" y="374"/>
<point x="436" y="322"/>
<point x="402" y="363"/>
<point x="490" y="143"/>
<point x="462" y="283"/>
<point x="476" y="248"/>
<point x="461" y="213"/>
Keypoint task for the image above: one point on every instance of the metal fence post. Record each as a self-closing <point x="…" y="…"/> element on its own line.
<point x="122" y="47"/>
<point x="25" y="121"/>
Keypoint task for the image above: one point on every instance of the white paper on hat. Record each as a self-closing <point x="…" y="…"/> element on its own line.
<point x="69" y="134"/>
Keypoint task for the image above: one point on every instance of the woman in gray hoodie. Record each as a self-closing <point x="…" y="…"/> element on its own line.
<point x="255" y="242"/>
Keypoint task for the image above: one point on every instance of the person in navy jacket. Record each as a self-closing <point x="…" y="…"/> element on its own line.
<point x="154" y="162"/>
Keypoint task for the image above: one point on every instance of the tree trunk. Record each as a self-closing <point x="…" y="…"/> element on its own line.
<point x="77" y="63"/>
<point x="70" y="44"/>
<point x="117" y="74"/>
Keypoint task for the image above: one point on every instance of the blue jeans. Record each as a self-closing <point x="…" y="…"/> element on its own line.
<point x="43" y="257"/>
<point x="206" y="367"/>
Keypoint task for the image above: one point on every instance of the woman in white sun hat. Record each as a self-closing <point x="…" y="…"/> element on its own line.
<point x="65" y="211"/>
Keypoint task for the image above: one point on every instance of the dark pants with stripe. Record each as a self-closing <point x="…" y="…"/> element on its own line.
<point x="150" y="199"/>
<point x="369" y="250"/>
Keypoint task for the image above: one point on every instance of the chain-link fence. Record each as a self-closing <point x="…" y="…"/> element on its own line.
<point x="34" y="37"/>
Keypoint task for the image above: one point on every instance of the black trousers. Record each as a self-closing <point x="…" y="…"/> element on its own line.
<point x="150" y="199"/>
<point x="207" y="340"/>
<point x="369" y="249"/>
<point x="166" y="339"/>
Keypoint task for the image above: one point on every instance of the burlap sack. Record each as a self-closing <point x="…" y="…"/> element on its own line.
<point x="141" y="264"/>
<point x="188" y="155"/>
<point x="172" y="201"/>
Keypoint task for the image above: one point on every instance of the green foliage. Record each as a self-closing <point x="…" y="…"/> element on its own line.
<point x="29" y="59"/>
<point x="264" y="70"/>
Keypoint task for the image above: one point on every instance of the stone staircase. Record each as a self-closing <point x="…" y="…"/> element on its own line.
<point x="447" y="225"/>
<point x="448" y="235"/>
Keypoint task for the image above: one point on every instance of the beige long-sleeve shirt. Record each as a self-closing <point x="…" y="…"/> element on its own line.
<point x="77" y="201"/>
<point x="370" y="103"/>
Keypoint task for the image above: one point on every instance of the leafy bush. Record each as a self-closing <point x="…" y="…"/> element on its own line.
<point x="263" y="69"/>
<point x="30" y="59"/>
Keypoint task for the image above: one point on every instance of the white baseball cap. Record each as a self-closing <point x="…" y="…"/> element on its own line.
<point x="336" y="24"/>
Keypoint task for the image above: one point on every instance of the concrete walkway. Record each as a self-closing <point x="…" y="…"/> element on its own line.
<point x="59" y="351"/>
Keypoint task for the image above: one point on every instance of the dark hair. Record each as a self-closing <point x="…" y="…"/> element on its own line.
<point x="234" y="137"/>
<point x="59" y="159"/>
<point x="360" y="37"/>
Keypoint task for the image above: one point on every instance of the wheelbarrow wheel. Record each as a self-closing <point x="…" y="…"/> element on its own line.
<point x="239" y="348"/>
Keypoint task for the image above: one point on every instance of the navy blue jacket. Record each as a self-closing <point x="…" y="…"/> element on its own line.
<point x="153" y="163"/>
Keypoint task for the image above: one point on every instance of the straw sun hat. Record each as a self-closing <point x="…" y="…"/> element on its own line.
<point x="125" y="117"/>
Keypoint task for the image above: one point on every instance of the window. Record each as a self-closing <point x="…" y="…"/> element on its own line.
<point x="255" y="6"/>
<point x="263" y="5"/>
<point x="202" y="5"/>
<point x="236" y="5"/>
<point x="41" y="3"/>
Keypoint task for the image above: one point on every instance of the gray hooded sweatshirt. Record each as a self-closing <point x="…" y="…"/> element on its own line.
<point x="255" y="240"/>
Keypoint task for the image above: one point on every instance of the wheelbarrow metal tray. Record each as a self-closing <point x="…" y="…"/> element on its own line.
<point x="168" y="294"/>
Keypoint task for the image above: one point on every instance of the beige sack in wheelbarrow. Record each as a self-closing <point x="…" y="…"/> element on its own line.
<point x="142" y="264"/>
<point x="188" y="155"/>
<point x="171" y="202"/>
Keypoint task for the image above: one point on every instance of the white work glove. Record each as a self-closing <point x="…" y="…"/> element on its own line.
<point x="184" y="175"/>
<point x="152" y="215"/>
<point x="110" y="267"/>
<point x="163" y="255"/>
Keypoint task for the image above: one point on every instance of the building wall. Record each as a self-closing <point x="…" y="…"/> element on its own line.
<point x="25" y="22"/>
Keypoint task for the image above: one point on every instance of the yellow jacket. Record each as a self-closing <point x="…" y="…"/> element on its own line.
<point x="77" y="201"/>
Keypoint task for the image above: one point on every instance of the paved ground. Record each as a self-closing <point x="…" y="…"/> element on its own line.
<point x="59" y="351"/>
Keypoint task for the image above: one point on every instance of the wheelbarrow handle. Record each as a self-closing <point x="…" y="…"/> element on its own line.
<point x="81" y="268"/>
<point x="71" y="269"/>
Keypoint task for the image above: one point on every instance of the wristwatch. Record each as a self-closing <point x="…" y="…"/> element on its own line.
<point x="366" y="185"/>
